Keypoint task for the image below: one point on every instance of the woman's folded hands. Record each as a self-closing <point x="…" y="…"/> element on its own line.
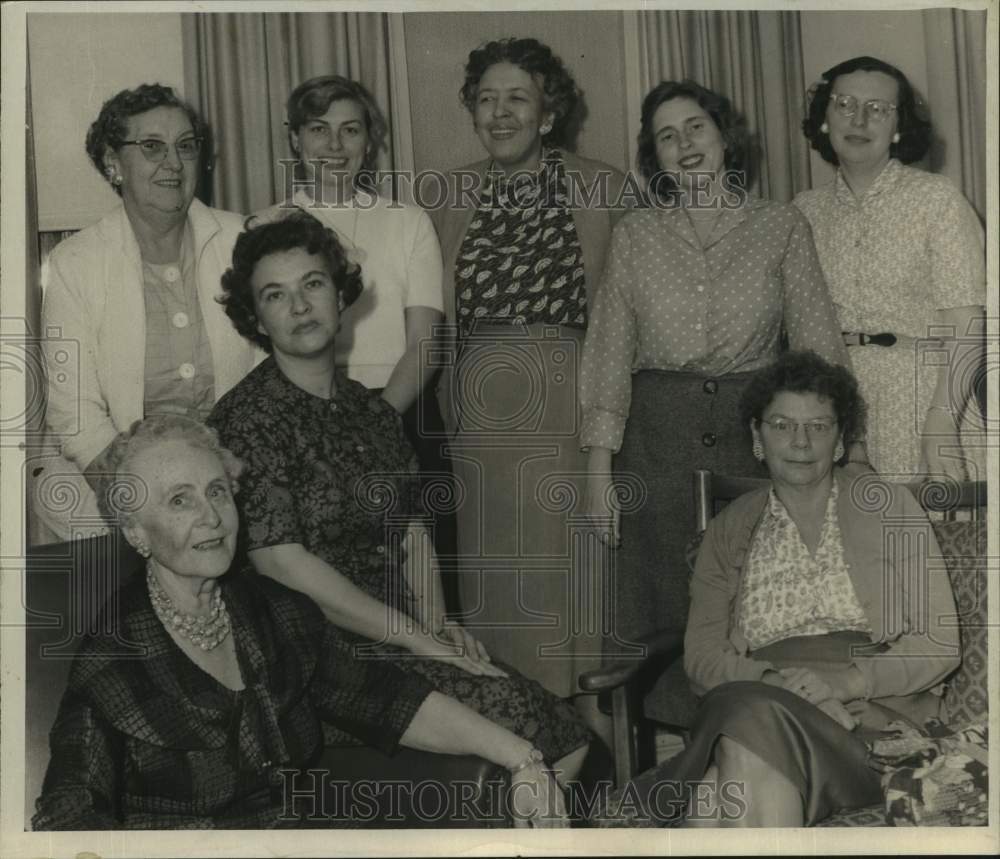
<point x="453" y="643"/>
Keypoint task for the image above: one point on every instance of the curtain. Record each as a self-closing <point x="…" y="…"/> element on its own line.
<point x="752" y="58"/>
<point x="239" y="69"/>
<point x="955" y="43"/>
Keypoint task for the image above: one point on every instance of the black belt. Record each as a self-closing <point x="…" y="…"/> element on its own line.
<point x="859" y="338"/>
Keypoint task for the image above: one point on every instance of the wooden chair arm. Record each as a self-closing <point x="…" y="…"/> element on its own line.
<point x="659" y="646"/>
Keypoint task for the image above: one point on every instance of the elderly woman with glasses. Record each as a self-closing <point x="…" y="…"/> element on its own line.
<point x="902" y="252"/>
<point x="132" y="297"/>
<point x="820" y="612"/>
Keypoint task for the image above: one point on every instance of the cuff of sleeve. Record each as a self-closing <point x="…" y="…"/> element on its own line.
<point x="866" y="672"/>
<point x="408" y="697"/>
<point x="602" y="429"/>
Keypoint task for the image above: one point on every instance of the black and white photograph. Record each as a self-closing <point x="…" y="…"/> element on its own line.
<point x="499" y="428"/>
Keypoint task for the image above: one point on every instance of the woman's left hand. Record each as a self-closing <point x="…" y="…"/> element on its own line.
<point x="537" y="800"/>
<point x="815" y="685"/>
<point x="807" y="683"/>
<point x="473" y="647"/>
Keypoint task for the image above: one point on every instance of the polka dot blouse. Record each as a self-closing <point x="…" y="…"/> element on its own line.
<point x="667" y="302"/>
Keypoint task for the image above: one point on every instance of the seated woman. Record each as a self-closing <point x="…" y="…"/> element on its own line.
<point x="135" y="293"/>
<point x="336" y="131"/>
<point x="326" y="501"/>
<point x="238" y="673"/>
<point x="819" y="612"/>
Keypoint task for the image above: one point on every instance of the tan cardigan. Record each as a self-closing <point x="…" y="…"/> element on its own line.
<point x="895" y="565"/>
<point x="593" y="227"/>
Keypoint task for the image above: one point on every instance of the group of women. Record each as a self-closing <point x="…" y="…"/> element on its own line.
<point x="323" y="402"/>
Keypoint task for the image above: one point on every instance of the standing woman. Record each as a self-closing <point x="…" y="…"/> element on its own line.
<point x="133" y="297"/>
<point x="336" y="131"/>
<point x="524" y="234"/>
<point x="902" y="251"/>
<point x="693" y="301"/>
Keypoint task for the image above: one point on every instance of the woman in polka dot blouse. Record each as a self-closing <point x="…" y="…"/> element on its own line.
<point x="902" y="251"/>
<point x="693" y="301"/>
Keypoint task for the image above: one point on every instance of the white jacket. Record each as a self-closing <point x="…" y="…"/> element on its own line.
<point x="94" y="326"/>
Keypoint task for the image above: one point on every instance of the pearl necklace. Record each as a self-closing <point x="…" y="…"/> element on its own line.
<point x="204" y="631"/>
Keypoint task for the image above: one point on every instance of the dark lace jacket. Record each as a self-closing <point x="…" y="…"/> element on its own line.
<point x="154" y="742"/>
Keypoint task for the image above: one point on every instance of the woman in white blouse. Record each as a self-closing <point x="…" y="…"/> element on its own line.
<point x="902" y="252"/>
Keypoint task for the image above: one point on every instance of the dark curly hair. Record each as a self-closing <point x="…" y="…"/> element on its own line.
<point x="312" y="98"/>
<point x="731" y="124"/>
<point x="560" y="92"/>
<point x="120" y="494"/>
<point x="110" y="129"/>
<point x="914" y="128"/>
<point x="803" y="372"/>
<point x="296" y="230"/>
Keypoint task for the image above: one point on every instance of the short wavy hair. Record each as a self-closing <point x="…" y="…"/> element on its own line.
<point x="312" y="98"/>
<point x="110" y="129"/>
<point x="913" y="125"/>
<point x="119" y="493"/>
<point x="560" y="93"/>
<point x="805" y="372"/>
<point x="296" y="230"/>
<point x="730" y="122"/>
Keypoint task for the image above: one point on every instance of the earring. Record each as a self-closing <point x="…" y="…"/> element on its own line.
<point x="825" y="128"/>
<point x="545" y="129"/>
<point x="838" y="451"/>
<point x="758" y="450"/>
<point x="895" y="137"/>
<point x="142" y="548"/>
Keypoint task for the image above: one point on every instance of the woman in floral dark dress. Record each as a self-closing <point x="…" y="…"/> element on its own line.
<point x="328" y="496"/>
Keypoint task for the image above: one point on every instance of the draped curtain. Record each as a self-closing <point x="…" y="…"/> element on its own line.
<point x="752" y="58"/>
<point x="955" y="44"/>
<point x="239" y="69"/>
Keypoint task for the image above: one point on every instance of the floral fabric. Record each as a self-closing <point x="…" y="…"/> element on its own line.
<point x="910" y="246"/>
<point x="336" y="475"/>
<point x="789" y="592"/>
<point x="934" y="777"/>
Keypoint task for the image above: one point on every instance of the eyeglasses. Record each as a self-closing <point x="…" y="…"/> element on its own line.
<point x="876" y="109"/>
<point x="156" y="150"/>
<point x="814" y="429"/>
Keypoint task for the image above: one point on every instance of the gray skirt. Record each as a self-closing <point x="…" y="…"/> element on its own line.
<point x="678" y="422"/>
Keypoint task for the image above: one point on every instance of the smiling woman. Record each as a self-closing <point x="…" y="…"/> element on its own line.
<point x="695" y="296"/>
<point x="903" y="253"/>
<point x="136" y="293"/>
<point x="523" y="255"/>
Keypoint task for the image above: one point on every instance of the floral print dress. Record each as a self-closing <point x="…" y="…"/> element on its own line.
<point x="337" y="476"/>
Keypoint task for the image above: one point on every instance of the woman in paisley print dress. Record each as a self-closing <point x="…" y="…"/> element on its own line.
<point x="902" y="251"/>
<point x="523" y="254"/>
<point x="327" y="497"/>
<point x="820" y="612"/>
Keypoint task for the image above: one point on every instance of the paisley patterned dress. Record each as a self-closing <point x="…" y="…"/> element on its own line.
<point x="337" y="476"/>
<point x="527" y="590"/>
